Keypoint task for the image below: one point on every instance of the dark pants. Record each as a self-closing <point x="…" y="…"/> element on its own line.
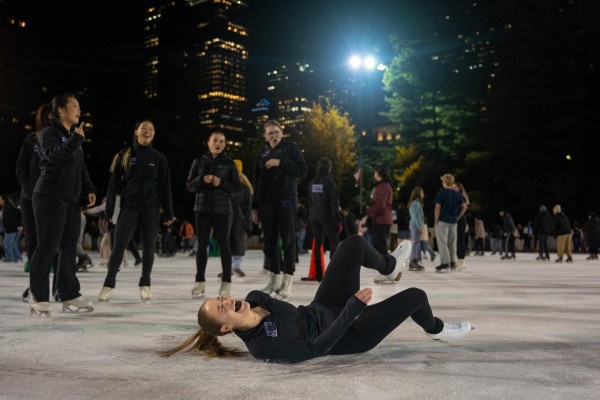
<point x="509" y="245"/>
<point x="58" y="224"/>
<point x="132" y="246"/>
<point x="329" y="229"/>
<point x="29" y="224"/>
<point x="542" y="239"/>
<point x="278" y="219"/>
<point x="126" y="225"/>
<point x="381" y="233"/>
<point x="342" y="281"/>
<point x="461" y="238"/>
<point x="220" y="224"/>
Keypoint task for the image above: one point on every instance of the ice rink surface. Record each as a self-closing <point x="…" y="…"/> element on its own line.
<point x="537" y="336"/>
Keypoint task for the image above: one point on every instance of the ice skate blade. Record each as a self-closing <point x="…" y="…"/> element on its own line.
<point x="70" y="309"/>
<point x="42" y="314"/>
<point x="198" y="296"/>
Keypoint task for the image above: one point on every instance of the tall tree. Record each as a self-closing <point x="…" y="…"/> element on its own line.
<point x="328" y="133"/>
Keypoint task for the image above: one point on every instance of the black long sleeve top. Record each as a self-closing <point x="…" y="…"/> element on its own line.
<point x="62" y="164"/>
<point x="28" y="166"/>
<point x="292" y="334"/>
<point x="281" y="181"/>
<point x="145" y="184"/>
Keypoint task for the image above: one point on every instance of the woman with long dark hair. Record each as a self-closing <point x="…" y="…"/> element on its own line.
<point x="141" y="176"/>
<point x="63" y="179"/>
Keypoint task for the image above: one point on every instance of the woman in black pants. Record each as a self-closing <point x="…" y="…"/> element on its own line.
<point x="338" y="321"/>
<point x="324" y="212"/>
<point x="28" y="172"/>
<point x="64" y="177"/>
<point x="214" y="178"/>
<point x="141" y="176"/>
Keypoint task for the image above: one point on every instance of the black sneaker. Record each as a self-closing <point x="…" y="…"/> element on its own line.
<point x="415" y="267"/>
<point x="569" y="260"/>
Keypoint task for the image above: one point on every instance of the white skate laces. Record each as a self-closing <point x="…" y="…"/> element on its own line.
<point x="452" y="330"/>
<point x="401" y="254"/>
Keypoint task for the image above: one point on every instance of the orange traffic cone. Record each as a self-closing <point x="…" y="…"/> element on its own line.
<point x="312" y="270"/>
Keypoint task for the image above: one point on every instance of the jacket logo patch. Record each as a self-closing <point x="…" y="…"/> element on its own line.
<point x="133" y="160"/>
<point x="271" y="329"/>
<point x="152" y="164"/>
<point x="317" y="188"/>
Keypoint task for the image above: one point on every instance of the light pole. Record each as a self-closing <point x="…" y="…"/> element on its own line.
<point x="362" y="63"/>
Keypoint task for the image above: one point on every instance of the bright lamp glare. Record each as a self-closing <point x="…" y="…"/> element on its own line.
<point x="370" y="63"/>
<point x="354" y="62"/>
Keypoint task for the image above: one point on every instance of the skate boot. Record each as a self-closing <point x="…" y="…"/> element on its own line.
<point x="225" y="288"/>
<point x="415" y="266"/>
<point x="401" y="254"/>
<point x="198" y="290"/>
<point x="40" y="308"/>
<point x="239" y="273"/>
<point x="145" y="294"/>
<point x="84" y="263"/>
<point x="78" y="305"/>
<point x="105" y="294"/>
<point x="274" y="283"/>
<point x="452" y="330"/>
<point x="286" y="287"/>
<point x="26" y="296"/>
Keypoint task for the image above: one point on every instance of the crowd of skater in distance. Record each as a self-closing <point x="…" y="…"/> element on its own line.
<point x="137" y="214"/>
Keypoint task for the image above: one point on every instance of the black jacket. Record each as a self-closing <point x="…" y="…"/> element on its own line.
<point x="11" y="218"/>
<point x="591" y="231"/>
<point x="210" y="198"/>
<point x="324" y="201"/>
<point x="542" y="224"/>
<point x="292" y="334"/>
<point x="145" y="184"/>
<point x="278" y="182"/>
<point x="28" y="165"/>
<point x="561" y="225"/>
<point x="63" y="171"/>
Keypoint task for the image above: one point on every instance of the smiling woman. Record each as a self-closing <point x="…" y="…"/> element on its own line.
<point x="141" y="177"/>
<point x="338" y="320"/>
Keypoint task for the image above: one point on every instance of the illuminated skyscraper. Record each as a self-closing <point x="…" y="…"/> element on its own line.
<point x="195" y="71"/>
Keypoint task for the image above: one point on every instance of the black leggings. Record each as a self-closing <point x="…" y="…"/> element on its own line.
<point x="58" y="225"/>
<point x="29" y="223"/>
<point x="221" y="226"/>
<point x="342" y="280"/>
<point x="126" y="225"/>
<point x="132" y="246"/>
<point x="320" y="230"/>
<point x="381" y="234"/>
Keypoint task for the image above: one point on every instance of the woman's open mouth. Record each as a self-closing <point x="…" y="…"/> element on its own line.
<point x="238" y="305"/>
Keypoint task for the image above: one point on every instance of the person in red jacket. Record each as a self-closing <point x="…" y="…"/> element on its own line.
<point x="186" y="232"/>
<point x="380" y="211"/>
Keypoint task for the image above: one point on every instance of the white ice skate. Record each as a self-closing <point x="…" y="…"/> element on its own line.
<point x="225" y="288"/>
<point x="286" y="287"/>
<point x="401" y="254"/>
<point x="145" y="294"/>
<point x="198" y="290"/>
<point x="39" y="308"/>
<point x="275" y="281"/>
<point x="452" y="330"/>
<point x="78" y="305"/>
<point x="105" y="294"/>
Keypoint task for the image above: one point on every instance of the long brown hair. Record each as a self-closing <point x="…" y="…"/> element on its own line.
<point x="416" y="195"/>
<point x="205" y="340"/>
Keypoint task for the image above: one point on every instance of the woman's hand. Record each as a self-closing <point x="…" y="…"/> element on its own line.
<point x="79" y="130"/>
<point x="91" y="199"/>
<point x="208" y="178"/>
<point x="365" y="295"/>
<point x="216" y="181"/>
